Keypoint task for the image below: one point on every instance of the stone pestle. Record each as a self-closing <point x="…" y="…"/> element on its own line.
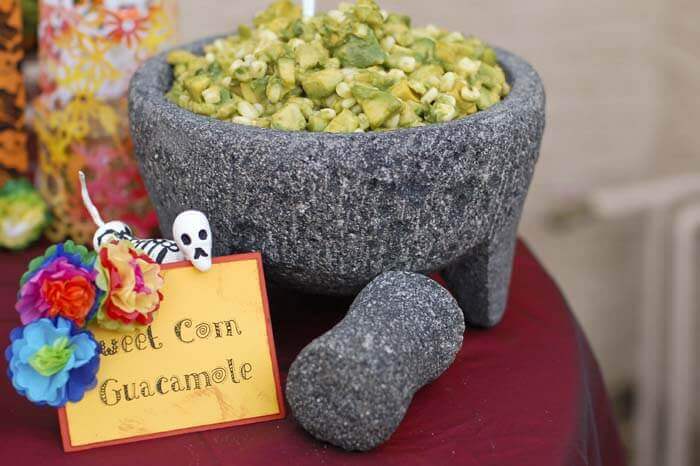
<point x="351" y="386"/>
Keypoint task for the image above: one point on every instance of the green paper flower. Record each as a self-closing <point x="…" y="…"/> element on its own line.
<point x="51" y="359"/>
<point x="23" y="214"/>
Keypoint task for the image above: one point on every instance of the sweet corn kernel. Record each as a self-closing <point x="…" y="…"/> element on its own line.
<point x="430" y="96"/>
<point x="407" y="64"/>
<point x="343" y="90"/>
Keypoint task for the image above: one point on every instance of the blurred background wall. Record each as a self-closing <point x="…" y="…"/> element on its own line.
<point x="623" y="89"/>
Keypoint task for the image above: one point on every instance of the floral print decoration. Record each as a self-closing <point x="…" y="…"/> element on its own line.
<point x="88" y="51"/>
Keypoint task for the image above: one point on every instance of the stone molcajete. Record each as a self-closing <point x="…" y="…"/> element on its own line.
<point x="330" y="212"/>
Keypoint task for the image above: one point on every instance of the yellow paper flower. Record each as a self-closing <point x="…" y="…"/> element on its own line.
<point x="132" y="281"/>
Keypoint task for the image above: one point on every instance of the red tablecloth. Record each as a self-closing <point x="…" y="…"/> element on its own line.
<point x="528" y="392"/>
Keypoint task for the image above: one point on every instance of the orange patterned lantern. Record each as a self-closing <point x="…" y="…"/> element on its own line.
<point x="13" y="138"/>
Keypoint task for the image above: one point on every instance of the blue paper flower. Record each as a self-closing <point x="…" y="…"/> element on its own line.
<point x="52" y="361"/>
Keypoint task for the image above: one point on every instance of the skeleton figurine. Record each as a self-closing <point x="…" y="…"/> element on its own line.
<point x="191" y="231"/>
<point x="193" y="236"/>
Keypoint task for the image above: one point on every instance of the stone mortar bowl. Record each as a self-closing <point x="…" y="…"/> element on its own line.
<point x="330" y="212"/>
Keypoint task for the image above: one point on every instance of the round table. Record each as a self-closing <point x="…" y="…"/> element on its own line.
<point x="527" y="392"/>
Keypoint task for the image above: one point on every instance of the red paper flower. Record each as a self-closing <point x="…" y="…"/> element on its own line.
<point x="70" y="298"/>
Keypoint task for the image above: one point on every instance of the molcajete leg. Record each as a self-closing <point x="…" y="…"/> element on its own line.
<point x="480" y="279"/>
<point x="352" y="385"/>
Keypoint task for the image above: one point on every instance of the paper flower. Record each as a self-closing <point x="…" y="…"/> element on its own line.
<point x="23" y="214"/>
<point x="52" y="361"/>
<point x="60" y="283"/>
<point x="132" y="282"/>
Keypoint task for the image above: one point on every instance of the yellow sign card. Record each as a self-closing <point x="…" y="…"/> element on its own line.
<point x="207" y="361"/>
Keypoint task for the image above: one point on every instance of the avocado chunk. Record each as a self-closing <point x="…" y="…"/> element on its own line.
<point x="227" y="110"/>
<point x="465" y="106"/>
<point x="491" y="76"/>
<point x="409" y="114"/>
<point x="403" y="91"/>
<point x="278" y="16"/>
<point x="367" y="11"/>
<point x="449" y="53"/>
<point x="358" y="52"/>
<point x="289" y="118"/>
<point x="374" y="79"/>
<point x="178" y="57"/>
<point x="424" y="49"/>
<point x="286" y="71"/>
<point x="275" y="89"/>
<point x="378" y="105"/>
<point x="305" y="105"/>
<point x="321" y="83"/>
<point x="203" y="108"/>
<point x="487" y="99"/>
<point x="317" y="123"/>
<point x="428" y="72"/>
<point x="489" y="57"/>
<point x="345" y="122"/>
<point x="254" y="91"/>
<point x="196" y="85"/>
<point x="310" y="55"/>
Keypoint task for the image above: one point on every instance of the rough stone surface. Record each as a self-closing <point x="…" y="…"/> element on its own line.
<point x="352" y="386"/>
<point x="330" y="212"/>
<point x="479" y="280"/>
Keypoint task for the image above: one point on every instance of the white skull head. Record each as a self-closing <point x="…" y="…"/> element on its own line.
<point x="192" y="233"/>
<point x="110" y="231"/>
